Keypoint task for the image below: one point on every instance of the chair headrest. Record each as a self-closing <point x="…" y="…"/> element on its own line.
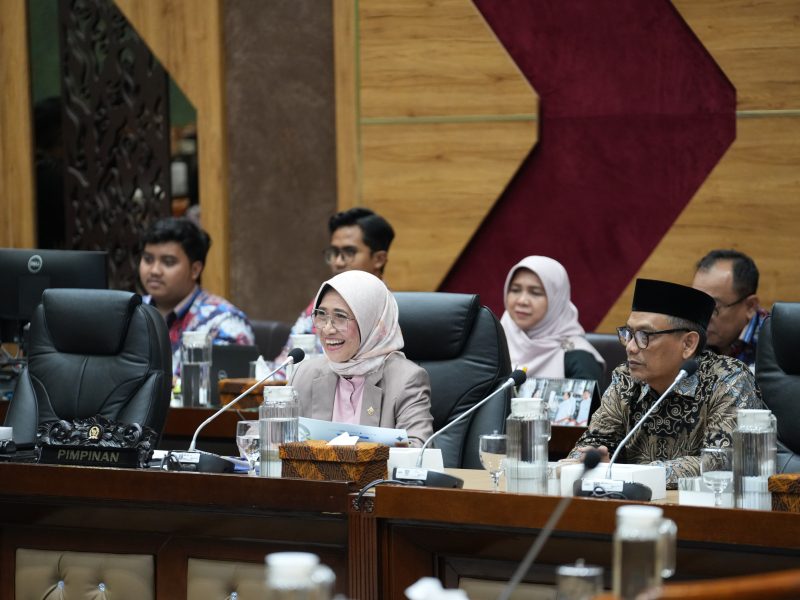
<point x="91" y="322"/>
<point x="436" y="325"/>
<point x="785" y="336"/>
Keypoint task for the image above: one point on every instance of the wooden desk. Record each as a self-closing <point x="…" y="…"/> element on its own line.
<point x="455" y="534"/>
<point x="172" y="516"/>
<point x="376" y="548"/>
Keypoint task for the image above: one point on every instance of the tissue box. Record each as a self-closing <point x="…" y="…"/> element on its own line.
<point x="652" y="476"/>
<point x="315" y="459"/>
<point x="785" y="490"/>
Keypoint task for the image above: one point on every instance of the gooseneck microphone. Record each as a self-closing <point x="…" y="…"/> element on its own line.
<point x="516" y="379"/>
<point x="421" y="476"/>
<point x="207" y="462"/>
<point x="295" y="356"/>
<point x="591" y="459"/>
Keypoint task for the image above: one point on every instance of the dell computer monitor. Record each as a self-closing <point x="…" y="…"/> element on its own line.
<point x="25" y="274"/>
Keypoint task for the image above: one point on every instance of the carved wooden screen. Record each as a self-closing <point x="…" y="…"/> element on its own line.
<point x="116" y="134"/>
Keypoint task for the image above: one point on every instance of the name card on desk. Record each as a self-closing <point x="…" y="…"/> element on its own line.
<point x="89" y="456"/>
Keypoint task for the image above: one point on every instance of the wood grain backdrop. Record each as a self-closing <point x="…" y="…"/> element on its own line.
<point x="433" y="119"/>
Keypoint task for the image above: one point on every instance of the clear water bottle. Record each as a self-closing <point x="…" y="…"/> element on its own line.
<point x="298" y="576"/>
<point x="754" y="458"/>
<point x="528" y="430"/>
<point x="278" y="418"/>
<point x="195" y="368"/>
<point x="644" y="550"/>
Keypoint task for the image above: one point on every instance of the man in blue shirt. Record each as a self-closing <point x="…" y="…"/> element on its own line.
<point x="731" y="278"/>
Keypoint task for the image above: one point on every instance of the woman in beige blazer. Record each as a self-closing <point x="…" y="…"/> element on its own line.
<point x="363" y="377"/>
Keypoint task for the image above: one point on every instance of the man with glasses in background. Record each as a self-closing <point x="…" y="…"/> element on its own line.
<point x="360" y="240"/>
<point x="731" y="278"/>
<point x="667" y="326"/>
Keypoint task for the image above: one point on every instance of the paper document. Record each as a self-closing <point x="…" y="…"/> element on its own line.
<point x="315" y="429"/>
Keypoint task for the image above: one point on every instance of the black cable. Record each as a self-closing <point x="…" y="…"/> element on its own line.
<point x="375" y="483"/>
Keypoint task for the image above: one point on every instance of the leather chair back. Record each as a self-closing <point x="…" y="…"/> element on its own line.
<point x="93" y="352"/>
<point x="463" y="348"/>
<point x="271" y="337"/>
<point x="778" y="376"/>
<point x="607" y="344"/>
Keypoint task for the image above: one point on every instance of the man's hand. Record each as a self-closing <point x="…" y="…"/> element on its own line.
<point x="604" y="455"/>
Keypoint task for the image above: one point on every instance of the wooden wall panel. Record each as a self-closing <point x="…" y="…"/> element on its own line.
<point x="435" y="182"/>
<point x="186" y="36"/>
<point x="345" y="55"/>
<point x="17" y="202"/>
<point x="757" y="45"/>
<point x="435" y="57"/>
<point x="444" y="120"/>
<point x="751" y="201"/>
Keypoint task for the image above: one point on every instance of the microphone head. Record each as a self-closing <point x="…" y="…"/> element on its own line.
<point x="591" y="458"/>
<point x="519" y="376"/>
<point x="690" y="366"/>
<point x="297" y="354"/>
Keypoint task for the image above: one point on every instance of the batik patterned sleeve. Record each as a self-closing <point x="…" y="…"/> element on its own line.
<point x="736" y="388"/>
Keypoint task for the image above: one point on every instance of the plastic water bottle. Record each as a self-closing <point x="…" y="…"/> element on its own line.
<point x="754" y="458"/>
<point x="278" y="418"/>
<point x="528" y="430"/>
<point x="298" y="576"/>
<point x="644" y="550"/>
<point x="195" y="368"/>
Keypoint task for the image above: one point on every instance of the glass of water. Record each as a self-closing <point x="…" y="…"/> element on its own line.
<point x="493" y="454"/>
<point x="249" y="442"/>
<point x="716" y="469"/>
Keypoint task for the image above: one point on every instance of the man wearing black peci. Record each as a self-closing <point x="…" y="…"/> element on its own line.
<point x="667" y="325"/>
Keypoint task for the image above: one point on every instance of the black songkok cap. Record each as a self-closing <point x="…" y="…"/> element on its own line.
<point x="673" y="299"/>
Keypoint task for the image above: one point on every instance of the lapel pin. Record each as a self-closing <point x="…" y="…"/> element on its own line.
<point x="370" y="411"/>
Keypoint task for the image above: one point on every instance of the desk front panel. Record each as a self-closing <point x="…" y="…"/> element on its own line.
<point x="171" y="516"/>
<point x="455" y="534"/>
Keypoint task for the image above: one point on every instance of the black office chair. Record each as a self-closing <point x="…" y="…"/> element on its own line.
<point x="271" y="337"/>
<point x="778" y="376"/>
<point x="607" y="344"/>
<point x="93" y="352"/>
<point x="462" y="346"/>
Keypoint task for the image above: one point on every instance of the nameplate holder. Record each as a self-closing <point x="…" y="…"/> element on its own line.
<point x="95" y="441"/>
<point x="89" y="456"/>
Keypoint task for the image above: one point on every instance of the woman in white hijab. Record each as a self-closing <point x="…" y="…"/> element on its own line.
<point x="541" y="323"/>
<point x="363" y="377"/>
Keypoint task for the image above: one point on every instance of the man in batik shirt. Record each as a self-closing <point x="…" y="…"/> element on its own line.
<point x="667" y="326"/>
<point x="173" y="256"/>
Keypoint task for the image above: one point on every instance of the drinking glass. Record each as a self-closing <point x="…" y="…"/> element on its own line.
<point x="249" y="442"/>
<point x="493" y="454"/>
<point x="717" y="471"/>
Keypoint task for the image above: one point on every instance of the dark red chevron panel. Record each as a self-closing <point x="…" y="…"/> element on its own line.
<point x="634" y="114"/>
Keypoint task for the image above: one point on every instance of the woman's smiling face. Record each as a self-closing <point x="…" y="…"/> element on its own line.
<point x="340" y="344"/>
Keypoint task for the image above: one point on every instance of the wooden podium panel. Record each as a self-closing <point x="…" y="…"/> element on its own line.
<point x="457" y="534"/>
<point x="171" y="515"/>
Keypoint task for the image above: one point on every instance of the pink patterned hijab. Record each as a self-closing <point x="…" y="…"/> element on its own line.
<point x="375" y="311"/>
<point x="541" y="348"/>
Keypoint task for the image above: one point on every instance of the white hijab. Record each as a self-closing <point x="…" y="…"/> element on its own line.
<point x="375" y="311"/>
<point x="541" y="348"/>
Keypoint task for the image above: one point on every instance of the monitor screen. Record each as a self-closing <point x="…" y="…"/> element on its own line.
<point x="25" y="274"/>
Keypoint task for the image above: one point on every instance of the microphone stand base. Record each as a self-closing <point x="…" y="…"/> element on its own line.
<point x="203" y="462"/>
<point x="631" y="490"/>
<point x="426" y="478"/>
